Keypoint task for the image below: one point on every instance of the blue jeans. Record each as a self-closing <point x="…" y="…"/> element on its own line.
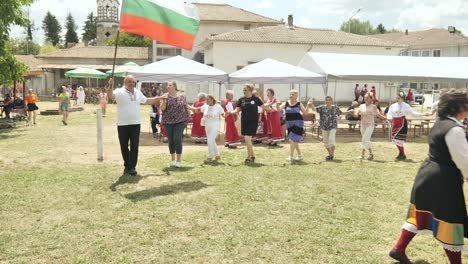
<point x="175" y="133"/>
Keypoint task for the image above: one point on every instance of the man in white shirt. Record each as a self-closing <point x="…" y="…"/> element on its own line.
<point x="128" y="101"/>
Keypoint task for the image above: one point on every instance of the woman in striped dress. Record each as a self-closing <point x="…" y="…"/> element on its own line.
<point x="295" y="123"/>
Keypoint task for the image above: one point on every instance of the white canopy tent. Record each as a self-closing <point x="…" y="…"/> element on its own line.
<point x="387" y="68"/>
<point x="180" y="69"/>
<point x="347" y="67"/>
<point x="269" y="71"/>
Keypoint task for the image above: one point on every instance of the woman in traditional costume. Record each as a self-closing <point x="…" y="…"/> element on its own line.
<point x="437" y="199"/>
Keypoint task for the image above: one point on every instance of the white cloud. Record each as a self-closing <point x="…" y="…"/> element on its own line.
<point x="440" y="15"/>
<point x="303" y="21"/>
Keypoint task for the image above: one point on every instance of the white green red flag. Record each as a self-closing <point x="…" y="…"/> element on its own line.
<point x="171" y="22"/>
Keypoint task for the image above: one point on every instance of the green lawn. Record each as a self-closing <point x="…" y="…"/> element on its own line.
<point x="59" y="205"/>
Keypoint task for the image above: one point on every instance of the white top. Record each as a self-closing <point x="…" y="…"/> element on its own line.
<point x="403" y="109"/>
<point x="128" y="106"/>
<point x="229" y="107"/>
<point x="367" y="114"/>
<point x="458" y="147"/>
<point x="212" y="114"/>
<point x="80" y="94"/>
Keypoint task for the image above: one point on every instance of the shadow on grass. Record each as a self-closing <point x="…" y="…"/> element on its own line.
<point x="6" y="133"/>
<point x="128" y="179"/>
<point x="408" y="161"/>
<point x="214" y="164"/>
<point x="420" y="261"/>
<point x="168" y="170"/>
<point x="166" y="190"/>
<point x="299" y="163"/>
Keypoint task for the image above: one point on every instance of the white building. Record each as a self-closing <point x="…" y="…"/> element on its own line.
<point x="234" y="50"/>
<point x="436" y="42"/>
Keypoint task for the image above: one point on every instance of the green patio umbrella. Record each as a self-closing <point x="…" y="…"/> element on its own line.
<point x="85" y="73"/>
<point x="121" y="71"/>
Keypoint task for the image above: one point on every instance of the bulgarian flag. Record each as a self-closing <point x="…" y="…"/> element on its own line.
<point x="171" y="22"/>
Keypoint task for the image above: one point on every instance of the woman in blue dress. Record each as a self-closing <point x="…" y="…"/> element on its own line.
<point x="294" y="123"/>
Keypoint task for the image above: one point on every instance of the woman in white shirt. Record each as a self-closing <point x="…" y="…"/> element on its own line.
<point x="397" y="113"/>
<point x="212" y="113"/>
<point x="368" y="112"/>
<point x="437" y="200"/>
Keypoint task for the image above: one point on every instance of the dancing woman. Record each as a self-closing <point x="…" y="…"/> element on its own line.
<point x="275" y="133"/>
<point x="437" y="199"/>
<point x="295" y="123"/>
<point x="397" y="112"/>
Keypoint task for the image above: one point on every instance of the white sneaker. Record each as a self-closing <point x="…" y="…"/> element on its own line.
<point x="299" y="158"/>
<point x="178" y="164"/>
<point x="290" y="158"/>
<point x="173" y="163"/>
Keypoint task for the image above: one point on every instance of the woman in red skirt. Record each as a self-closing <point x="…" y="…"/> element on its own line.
<point x="198" y="131"/>
<point x="262" y="128"/>
<point x="274" y="131"/>
<point x="231" y="136"/>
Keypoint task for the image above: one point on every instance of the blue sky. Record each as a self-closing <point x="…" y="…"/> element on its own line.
<point x="400" y="14"/>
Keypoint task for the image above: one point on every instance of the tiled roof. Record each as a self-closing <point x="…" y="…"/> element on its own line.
<point x="30" y="61"/>
<point x="298" y="35"/>
<point x="228" y="13"/>
<point x="436" y="37"/>
<point x="99" y="52"/>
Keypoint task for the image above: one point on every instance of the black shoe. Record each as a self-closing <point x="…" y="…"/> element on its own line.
<point x="257" y="142"/>
<point x="65" y="123"/>
<point x="132" y="172"/>
<point x="397" y="256"/>
<point x="401" y="156"/>
<point x="125" y="172"/>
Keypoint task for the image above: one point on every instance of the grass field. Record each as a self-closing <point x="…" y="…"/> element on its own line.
<point x="59" y="205"/>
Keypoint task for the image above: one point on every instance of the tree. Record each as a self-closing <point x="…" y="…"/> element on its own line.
<point x="47" y="47"/>
<point x="71" y="36"/>
<point x="89" y="29"/>
<point x="29" y="29"/>
<point x="130" y="40"/>
<point x="23" y="47"/>
<point x="12" y="14"/>
<point x="380" y="29"/>
<point x="51" y="28"/>
<point x="355" y="26"/>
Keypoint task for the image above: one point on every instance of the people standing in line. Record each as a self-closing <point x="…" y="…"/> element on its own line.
<point x="212" y="113"/>
<point x="437" y="200"/>
<point x="175" y="116"/>
<point x="231" y="136"/>
<point x="274" y="131"/>
<point x="397" y="112"/>
<point x="295" y="111"/>
<point x="248" y="105"/>
<point x="374" y="94"/>
<point x="64" y="104"/>
<point x="154" y="118"/>
<point x="80" y="94"/>
<point x="410" y="97"/>
<point x="328" y="123"/>
<point x="31" y="107"/>
<point x="357" y="93"/>
<point x="367" y="112"/>
<point x="128" y="101"/>
<point x="198" y="131"/>
<point x="364" y="91"/>
<point x="103" y="99"/>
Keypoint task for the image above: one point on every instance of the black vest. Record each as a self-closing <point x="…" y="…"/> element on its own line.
<point x="438" y="149"/>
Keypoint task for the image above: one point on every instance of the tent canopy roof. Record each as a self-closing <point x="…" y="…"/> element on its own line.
<point x="386" y="68"/>
<point x="180" y="69"/>
<point x="269" y="71"/>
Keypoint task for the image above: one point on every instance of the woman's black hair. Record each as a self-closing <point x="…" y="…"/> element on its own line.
<point x="453" y="102"/>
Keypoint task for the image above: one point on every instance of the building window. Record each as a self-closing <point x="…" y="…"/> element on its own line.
<point x="426" y="53"/>
<point x="404" y="53"/>
<point x="210" y="64"/>
<point x="168" y="51"/>
<point x="251" y="62"/>
<point x="436" y="53"/>
<point x="247" y="27"/>
<point x="415" y="53"/>
<point x="239" y="67"/>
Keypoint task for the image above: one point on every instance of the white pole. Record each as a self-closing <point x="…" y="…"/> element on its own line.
<point x="100" y="156"/>
<point x="154" y="50"/>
